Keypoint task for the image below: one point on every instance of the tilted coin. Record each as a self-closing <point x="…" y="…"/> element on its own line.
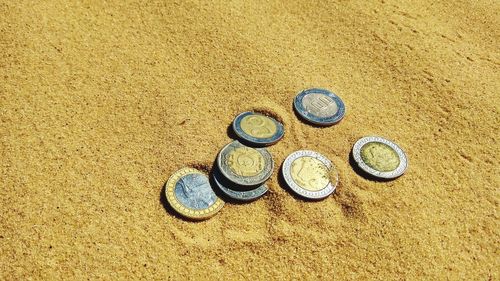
<point x="319" y="106"/>
<point x="189" y="193"/>
<point x="238" y="194"/>
<point x="245" y="165"/>
<point x="310" y="174"/>
<point x="380" y="157"/>
<point x="258" y="128"/>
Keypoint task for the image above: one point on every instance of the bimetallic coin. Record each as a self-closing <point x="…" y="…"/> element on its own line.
<point x="310" y="174"/>
<point x="245" y="165"/>
<point x="241" y="195"/>
<point x="258" y="128"/>
<point x="319" y="106"/>
<point x="380" y="157"/>
<point x="189" y="193"/>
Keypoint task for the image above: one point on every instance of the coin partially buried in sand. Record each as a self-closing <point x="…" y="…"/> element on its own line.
<point x="245" y="165"/>
<point x="189" y="193"/>
<point x="257" y="128"/>
<point x="380" y="157"/>
<point x="310" y="174"/>
<point x="238" y="194"/>
<point x="319" y="106"/>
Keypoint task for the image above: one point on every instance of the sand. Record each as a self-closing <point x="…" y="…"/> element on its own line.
<point x="101" y="103"/>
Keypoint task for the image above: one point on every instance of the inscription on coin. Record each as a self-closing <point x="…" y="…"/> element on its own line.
<point x="245" y="165"/>
<point x="245" y="162"/>
<point x="310" y="173"/>
<point x="189" y="193"/>
<point x="257" y="129"/>
<point x="380" y="156"/>
<point x="194" y="191"/>
<point x="258" y="126"/>
<point x="320" y="105"/>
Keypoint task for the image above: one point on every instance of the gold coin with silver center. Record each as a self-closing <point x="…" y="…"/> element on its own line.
<point x="189" y="193"/>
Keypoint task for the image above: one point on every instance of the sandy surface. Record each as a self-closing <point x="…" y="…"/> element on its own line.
<point x="100" y="103"/>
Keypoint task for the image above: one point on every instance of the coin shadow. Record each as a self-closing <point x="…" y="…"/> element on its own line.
<point x="362" y="173"/>
<point x="284" y="185"/>
<point x="230" y="132"/>
<point x="170" y="210"/>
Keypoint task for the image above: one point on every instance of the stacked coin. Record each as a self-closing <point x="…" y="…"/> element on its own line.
<point x="242" y="171"/>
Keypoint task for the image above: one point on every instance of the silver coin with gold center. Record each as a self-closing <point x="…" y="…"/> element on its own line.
<point x="380" y="157"/>
<point x="310" y="174"/>
<point x="245" y="165"/>
<point x="257" y="128"/>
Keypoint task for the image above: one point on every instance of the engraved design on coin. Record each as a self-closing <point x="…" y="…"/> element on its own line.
<point x="380" y="157"/>
<point x="258" y="129"/>
<point x="258" y="126"/>
<point x="194" y="191"/>
<point x="245" y="165"/>
<point x="245" y="161"/>
<point x="310" y="174"/>
<point x="320" y="105"/>
<point x="189" y="193"/>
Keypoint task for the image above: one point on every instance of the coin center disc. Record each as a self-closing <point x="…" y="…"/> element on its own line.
<point x="310" y="173"/>
<point x="320" y="105"/>
<point x="258" y="126"/>
<point x="245" y="161"/>
<point x="380" y="156"/>
<point x="194" y="191"/>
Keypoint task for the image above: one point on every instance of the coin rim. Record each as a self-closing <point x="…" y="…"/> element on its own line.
<point x="238" y="195"/>
<point x="280" y="131"/>
<point x="331" y="120"/>
<point x="403" y="160"/>
<point x="195" y="214"/>
<point x="319" y="194"/>
<point x="263" y="151"/>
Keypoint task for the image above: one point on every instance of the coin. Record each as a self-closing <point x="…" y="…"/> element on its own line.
<point x="189" y="193"/>
<point x="237" y="194"/>
<point x="245" y="165"/>
<point x="258" y="128"/>
<point x="380" y="157"/>
<point x="310" y="174"/>
<point x="319" y="106"/>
